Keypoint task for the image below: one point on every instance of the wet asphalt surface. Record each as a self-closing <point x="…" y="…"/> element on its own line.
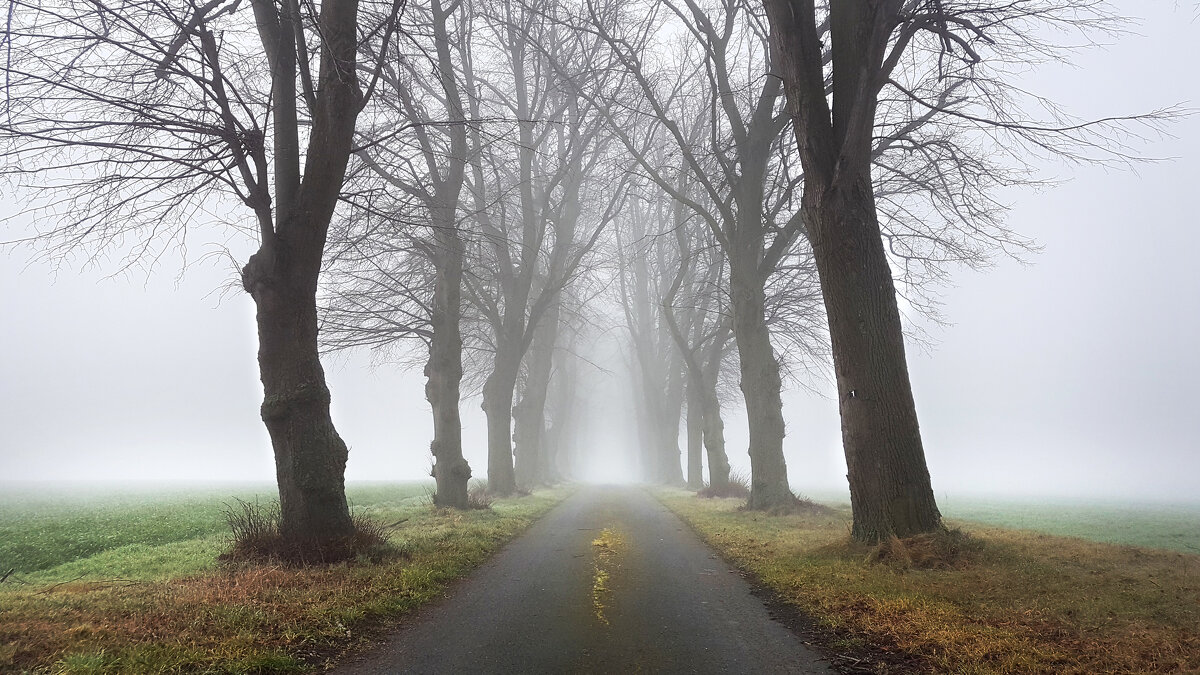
<point x="608" y="582"/>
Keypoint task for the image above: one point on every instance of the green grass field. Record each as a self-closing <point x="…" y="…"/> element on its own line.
<point x="125" y="581"/>
<point x="128" y="581"/>
<point x="57" y="532"/>
<point x="1171" y="526"/>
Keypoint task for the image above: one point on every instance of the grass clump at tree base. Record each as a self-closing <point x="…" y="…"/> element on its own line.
<point x="996" y="601"/>
<point x="256" y="537"/>
<point x="738" y="487"/>
<point x="948" y="548"/>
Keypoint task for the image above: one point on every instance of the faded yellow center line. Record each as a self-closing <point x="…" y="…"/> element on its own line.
<point x="606" y="549"/>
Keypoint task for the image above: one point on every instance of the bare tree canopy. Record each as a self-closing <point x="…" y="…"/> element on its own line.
<point x="126" y="120"/>
<point x="750" y="194"/>
<point x="844" y="66"/>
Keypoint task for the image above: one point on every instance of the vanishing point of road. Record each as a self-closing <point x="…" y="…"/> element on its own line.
<point x="610" y="581"/>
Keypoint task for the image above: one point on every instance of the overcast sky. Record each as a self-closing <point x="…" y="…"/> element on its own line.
<point x="1076" y="375"/>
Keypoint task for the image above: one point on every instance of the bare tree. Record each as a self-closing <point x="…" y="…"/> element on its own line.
<point x="590" y="191"/>
<point x="527" y="202"/>
<point x="658" y="381"/>
<point x="694" y="309"/>
<point x="846" y="66"/>
<point x="416" y="149"/>
<point x="739" y="166"/>
<point x="127" y="119"/>
<point x="561" y="426"/>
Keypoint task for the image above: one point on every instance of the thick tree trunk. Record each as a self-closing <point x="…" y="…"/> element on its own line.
<point x="444" y="368"/>
<point x="310" y="457"/>
<point x="890" y="489"/>
<point x="670" y="468"/>
<point x="695" y="435"/>
<point x="527" y="436"/>
<point x="530" y="414"/>
<point x="714" y="426"/>
<point x="498" y="406"/>
<point x="658" y="413"/>
<point x="444" y="371"/>
<point x="889" y="481"/>
<point x="761" y="386"/>
<point x="558" y="451"/>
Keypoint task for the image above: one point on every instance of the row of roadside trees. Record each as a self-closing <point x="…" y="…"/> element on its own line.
<point x="466" y="181"/>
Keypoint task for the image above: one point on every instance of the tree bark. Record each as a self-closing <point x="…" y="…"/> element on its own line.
<point x="890" y="489"/>
<point x="498" y="406"/>
<point x="670" y="468"/>
<point x="761" y="386"/>
<point x="695" y="435"/>
<point x="310" y="457"/>
<point x="530" y="413"/>
<point x="659" y="410"/>
<point x="444" y="368"/>
<point x="714" y="426"/>
<point x="443" y="371"/>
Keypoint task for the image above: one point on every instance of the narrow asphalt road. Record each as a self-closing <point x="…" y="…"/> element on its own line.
<point x="608" y="582"/>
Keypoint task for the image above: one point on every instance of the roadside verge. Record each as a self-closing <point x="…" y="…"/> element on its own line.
<point x="1009" y="601"/>
<point x="258" y="617"/>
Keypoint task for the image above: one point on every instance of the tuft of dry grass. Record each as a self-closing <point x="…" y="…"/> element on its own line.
<point x="948" y="548"/>
<point x="255" y="536"/>
<point x="991" y="601"/>
<point x="737" y="487"/>
<point x="478" y="496"/>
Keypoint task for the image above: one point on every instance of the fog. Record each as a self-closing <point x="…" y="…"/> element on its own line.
<point x="1073" y="376"/>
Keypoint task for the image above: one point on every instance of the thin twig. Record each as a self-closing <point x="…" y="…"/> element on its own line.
<point x="61" y="583"/>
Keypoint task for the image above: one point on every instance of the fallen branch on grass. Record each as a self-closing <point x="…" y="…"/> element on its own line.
<point x="61" y="583"/>
<point x="99" y="583"/>
<point x="7" y="575"/>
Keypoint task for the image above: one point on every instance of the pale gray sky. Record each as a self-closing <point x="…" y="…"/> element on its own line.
<point x="1075" y="375"/>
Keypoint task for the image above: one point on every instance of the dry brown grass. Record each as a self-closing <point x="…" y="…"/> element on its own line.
<point x="996" y="601"/>
<point x="259" y="615"/>
<point x="478" y="497"/>
<point x="255" y="537"/>
<point x="945" y="549"/>
<point x="737" y="487"/>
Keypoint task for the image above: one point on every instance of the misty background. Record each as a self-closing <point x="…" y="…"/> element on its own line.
<point x="1073" y="376"/>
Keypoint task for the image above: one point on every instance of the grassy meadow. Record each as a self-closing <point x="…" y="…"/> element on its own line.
<point x="1000" y="600"/>
<point x="1166" y="525"/>
<point x="129" y="581"/>
<point x="1173" y="527"/>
